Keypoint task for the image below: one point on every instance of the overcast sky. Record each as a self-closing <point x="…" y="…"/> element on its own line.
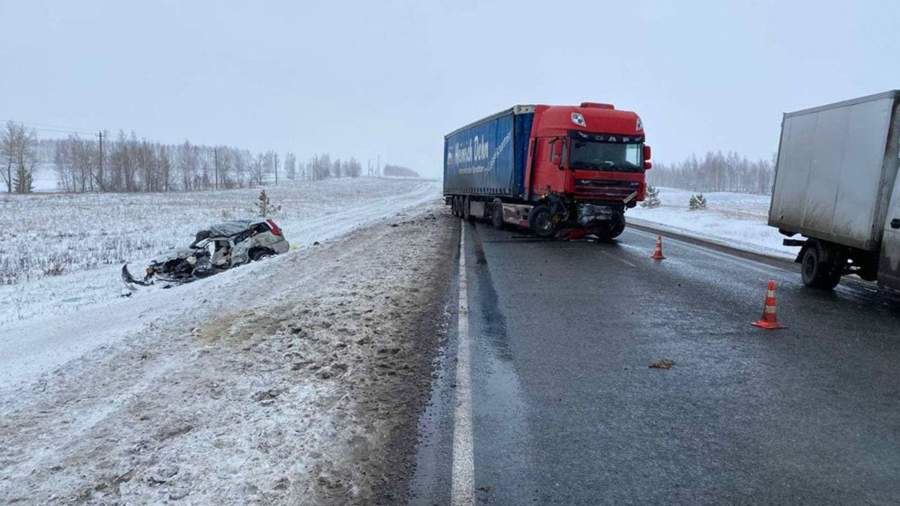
<point x="373" y="78"/>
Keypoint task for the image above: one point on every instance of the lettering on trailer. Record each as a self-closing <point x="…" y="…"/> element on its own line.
<point x="476" y="150"/>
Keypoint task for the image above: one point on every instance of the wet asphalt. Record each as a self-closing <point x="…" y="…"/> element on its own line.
<point x="566" y="409"/>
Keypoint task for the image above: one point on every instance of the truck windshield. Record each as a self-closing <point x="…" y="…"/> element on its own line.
<point x="596" y="155"/>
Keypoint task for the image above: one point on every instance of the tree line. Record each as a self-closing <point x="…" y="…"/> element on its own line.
<point x="125" y="163"/>
<point x="716" y="172"/>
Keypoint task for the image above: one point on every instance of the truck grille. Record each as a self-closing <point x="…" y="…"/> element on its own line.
<point x="596" y="189"/>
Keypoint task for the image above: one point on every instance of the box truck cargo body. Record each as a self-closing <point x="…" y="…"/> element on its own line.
<point x="836" y="184"/>
<point x="554" y="169"/>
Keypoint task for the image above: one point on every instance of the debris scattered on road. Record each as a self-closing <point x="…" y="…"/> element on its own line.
<point x="663" y="363"/>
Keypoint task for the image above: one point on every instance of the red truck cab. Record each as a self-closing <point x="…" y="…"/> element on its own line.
<point x="590" y="154"/>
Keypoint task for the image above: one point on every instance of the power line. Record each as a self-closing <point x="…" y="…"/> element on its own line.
<point x="43" y="127"/>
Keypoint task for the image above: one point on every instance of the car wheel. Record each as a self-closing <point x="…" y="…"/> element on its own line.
<point x="259" y="254"/>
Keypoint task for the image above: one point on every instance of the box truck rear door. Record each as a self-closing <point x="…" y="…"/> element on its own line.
<point x="889" y="267"/>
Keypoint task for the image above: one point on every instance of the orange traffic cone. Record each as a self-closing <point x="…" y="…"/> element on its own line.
<point x="769" y="320"/>
<point x="657" y="251"/>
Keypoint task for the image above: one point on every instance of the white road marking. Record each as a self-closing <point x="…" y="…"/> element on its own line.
<point x="463" y="478"/>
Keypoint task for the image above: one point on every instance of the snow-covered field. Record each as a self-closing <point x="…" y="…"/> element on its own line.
<point x="59" y="252"/>
<point x="43" y="235"/>
<point x="289" y="380"/>
<point x="735" y="219"/>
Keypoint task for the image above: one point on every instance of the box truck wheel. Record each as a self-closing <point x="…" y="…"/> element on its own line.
<point x="816" y="268"/>
<point x="497" y="214"/>
<point x="540" y="220"/>
<point x="454" y="206"/>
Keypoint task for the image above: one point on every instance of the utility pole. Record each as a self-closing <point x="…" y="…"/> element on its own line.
<point x="100" y="170"/>
<point x="276" y="169"/>
<point x="216" y="173"/>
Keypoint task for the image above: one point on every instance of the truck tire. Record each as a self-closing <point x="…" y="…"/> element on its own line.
<point x="611" y="231"/>
<point x="466" y="211"/>
<point x="454" y="206"/>
<point x="540" y="221"/>
<point x="815" y="268"/>
<point x="497" y="215"/>
<point x="617" y="227"/>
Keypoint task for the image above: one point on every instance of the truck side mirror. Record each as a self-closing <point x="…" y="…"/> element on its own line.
<point x="556" y="151"/>
<point x="647" y="155"/>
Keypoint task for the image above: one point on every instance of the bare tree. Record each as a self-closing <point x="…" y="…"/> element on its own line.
<point x="18" y="149"/>
<point x="353" y="168"/>
<point x="290" y="166"/>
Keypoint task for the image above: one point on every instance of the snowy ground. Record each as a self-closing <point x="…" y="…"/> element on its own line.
<point x="736" y="219"/>
<point x="90" y="236"/>
<point x="291" y="380"/>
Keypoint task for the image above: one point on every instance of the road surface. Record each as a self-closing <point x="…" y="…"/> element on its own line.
<point x="561" y="406"/>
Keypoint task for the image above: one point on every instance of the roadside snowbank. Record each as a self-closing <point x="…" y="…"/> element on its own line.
<point x="294" y="380"/>
<point x="736" y="219"/>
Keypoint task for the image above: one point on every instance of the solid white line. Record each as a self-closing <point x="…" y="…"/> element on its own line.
<point x="463" y="478"/>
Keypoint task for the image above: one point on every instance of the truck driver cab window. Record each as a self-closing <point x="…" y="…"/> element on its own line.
<point x="597" y="155"/>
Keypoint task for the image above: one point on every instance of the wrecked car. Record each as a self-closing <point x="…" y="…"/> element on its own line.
<point x="216" y="248"/>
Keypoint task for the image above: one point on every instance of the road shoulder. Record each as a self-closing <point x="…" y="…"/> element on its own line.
<point x="309" y="394"/>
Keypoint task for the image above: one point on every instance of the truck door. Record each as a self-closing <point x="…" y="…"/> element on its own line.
<point x="889" y="266"/>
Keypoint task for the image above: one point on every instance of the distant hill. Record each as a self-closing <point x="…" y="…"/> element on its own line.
<point x="398" y="171"/>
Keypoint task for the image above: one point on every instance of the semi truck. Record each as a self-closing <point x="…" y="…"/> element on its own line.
<point x="552" y="169"/>
<point x="836" y="186"/>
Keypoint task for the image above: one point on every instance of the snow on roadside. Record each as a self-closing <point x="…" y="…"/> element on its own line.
<point x="115" y="228"/>
<point x="297" y="387"/>
<point x="735" y="219"/>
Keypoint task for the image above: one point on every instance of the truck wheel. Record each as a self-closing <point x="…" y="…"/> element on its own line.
<point x="816" y="271"/>
<point x="541" y="221"/>
<point x="454" y="206"/>
<point x="617" y="227"/>
<point x="497" y="215"/>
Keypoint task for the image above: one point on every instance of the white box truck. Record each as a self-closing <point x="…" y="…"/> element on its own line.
<point x="836" y="184"/>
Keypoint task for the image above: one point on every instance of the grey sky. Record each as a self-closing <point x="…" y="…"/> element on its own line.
<point x="390" y="78"/>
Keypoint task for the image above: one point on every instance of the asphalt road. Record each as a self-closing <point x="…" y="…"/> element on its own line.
<point x="565" y="409"/>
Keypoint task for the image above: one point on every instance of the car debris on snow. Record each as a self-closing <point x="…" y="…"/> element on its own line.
<point x="216" y="248"/>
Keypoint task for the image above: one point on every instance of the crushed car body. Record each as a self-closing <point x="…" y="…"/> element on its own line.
<point x="216" y="248"/>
